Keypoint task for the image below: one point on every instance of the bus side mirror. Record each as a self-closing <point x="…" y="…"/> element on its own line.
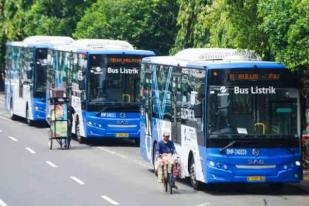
<point x="198" y="110"/>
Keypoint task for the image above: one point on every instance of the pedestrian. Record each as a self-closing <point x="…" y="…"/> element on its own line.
<point x="71" y="114"/>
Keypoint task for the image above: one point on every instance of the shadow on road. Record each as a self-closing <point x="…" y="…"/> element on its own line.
<point x="112" y="142"/>
<point x="244" y="189"/>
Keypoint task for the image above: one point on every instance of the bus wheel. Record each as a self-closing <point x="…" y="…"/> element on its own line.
<point x="192" y="171"/>
<point x="12" y="115"/>
<point x="28" y="120"/>
<point x="79" y="138"/>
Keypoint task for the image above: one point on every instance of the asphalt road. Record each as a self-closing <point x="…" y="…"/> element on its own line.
<point x="104" y="173"/>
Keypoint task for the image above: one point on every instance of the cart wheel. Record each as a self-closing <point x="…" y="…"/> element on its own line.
<point x="50" y="143"/>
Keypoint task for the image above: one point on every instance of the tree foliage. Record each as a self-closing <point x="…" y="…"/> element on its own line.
<point x="146" y="24"/>
<point x="276" y="29"/>
<point x="54" y="17"/>
<point x="285" y="22"/>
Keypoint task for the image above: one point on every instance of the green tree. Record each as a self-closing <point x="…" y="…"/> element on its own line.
<point x="187" y="22"/>
<point x="285" y="22"/>
<point x="146" y="24"/>
<point x="54" y="17"/>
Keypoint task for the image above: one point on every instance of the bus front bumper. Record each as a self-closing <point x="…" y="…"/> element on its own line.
<point x="291" y="175"/>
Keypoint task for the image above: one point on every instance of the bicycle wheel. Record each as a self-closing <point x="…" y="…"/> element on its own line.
<point x="170" y="183"/>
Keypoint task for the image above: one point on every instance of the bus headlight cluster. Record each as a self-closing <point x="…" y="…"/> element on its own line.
<point x="93" y="124"/>
<point x="292" y="165"/>
<point x="37" y="108"/>
<point x="217" y="165"/>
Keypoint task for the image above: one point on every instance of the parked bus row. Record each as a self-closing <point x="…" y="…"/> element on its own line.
<point x="233" y="117"/>
<point x="100" y="77"/>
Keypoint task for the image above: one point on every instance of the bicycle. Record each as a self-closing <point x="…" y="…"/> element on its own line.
<point x="170" y="167"/>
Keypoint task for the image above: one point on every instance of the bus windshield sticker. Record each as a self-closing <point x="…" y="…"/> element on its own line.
<point x="242" y="131"/>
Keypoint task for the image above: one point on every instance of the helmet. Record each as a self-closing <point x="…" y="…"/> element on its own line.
<point x="166" y="134"/>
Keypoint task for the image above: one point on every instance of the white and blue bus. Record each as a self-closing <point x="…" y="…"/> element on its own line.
<point x="101" y="79"/>
<point x="231" y="120"/>
<point x="25" y="79"/>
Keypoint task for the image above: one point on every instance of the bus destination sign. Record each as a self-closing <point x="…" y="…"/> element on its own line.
<point x="254" y="76"/>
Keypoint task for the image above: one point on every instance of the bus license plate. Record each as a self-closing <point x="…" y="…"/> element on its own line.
<point x="256" y="178"/>
<point x="122" y="135"/>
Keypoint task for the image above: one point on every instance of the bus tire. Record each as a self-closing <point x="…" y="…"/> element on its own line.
<point x="28" y="120"/>
<point x="79" y="138"/>
<point x="192" y="172"/>
<point x="12" y="115"/>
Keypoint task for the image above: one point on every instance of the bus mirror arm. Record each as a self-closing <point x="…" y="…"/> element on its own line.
<point x="261" y="125"/>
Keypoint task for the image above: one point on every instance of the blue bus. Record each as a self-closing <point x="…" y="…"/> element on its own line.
<point x="101" y="79"/>
<point x="233" y="118"/>
<point x="25" y="79"/>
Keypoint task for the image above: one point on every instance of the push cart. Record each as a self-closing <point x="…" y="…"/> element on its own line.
<point x="59" y="122"/>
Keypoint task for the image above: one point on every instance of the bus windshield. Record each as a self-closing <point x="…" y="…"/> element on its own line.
<point x="113" y="79"/>
<point x="253" y="111"/>
<point x="40" y="74"/>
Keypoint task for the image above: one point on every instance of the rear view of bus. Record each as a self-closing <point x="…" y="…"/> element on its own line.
<point x="105" y="90"/>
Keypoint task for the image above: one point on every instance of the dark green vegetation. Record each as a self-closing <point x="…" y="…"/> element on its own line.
<point x="276" y="29"/>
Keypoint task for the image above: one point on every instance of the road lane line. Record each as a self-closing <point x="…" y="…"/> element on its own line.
<point x="77" y="180"/>
<point x="51" y="164"/>
<point x="205" y="204"/>
<point x="0" y="130"/>
<point x="30" y="150"/>
<point x="13" y="139"/>
<point x="110" y="200"/>
<point x="107" y="150"/>
<point x="4" y="118"/>
<point x="2" y="203"/>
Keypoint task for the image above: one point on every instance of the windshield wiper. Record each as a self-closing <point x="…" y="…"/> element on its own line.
<point x="227" y="146"/>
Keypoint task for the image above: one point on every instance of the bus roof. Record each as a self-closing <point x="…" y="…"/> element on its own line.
<point x="214" y="58"/>
<point x="42" y="41"/>
<point x="102" y="46"/>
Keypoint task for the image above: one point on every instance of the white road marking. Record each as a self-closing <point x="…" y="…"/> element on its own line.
<point x="51" y="164"/>
<point x="77" y="180"/>
<point x="2" y="203"/>
<point x="13" y="139"/>
<point x="30" y="150"/>
<point x="205" y="204"/>
<point x="110" y="200"/>
<point x="107" y="150"/>
<point x="4" y="118"/>
<point x="0" y="130"/>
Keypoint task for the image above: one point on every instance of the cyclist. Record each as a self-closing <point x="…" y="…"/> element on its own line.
<point x="165" y="149"/>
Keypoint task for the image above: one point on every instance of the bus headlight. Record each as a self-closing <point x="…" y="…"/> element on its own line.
<point x="297" y="163"/>
<point x="217" y="165"/>
<point x="37" y="108"/>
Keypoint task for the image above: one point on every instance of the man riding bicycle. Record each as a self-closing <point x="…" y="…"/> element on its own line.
<point x="165" y="149"/>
